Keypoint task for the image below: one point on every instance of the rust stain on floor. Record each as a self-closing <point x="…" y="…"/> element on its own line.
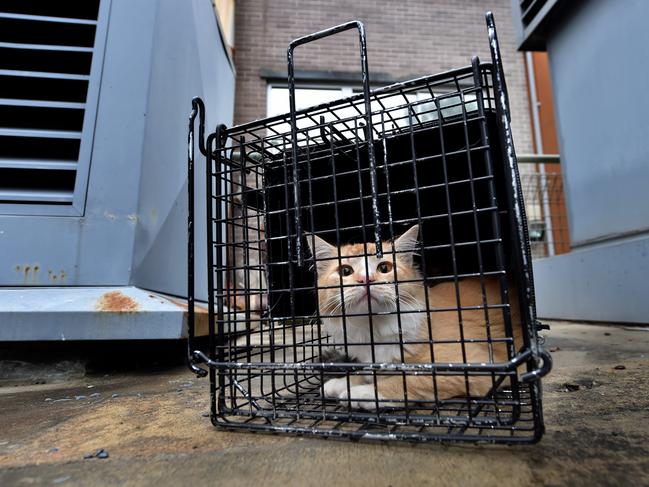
<point x="115" y="301"/>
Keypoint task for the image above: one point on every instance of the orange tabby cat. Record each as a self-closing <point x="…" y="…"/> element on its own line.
<point x="369" y="298"/>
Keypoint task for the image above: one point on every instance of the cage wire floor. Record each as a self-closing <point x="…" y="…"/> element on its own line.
<point x="285" y="399"/>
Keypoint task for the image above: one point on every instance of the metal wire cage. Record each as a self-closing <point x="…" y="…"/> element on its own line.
<point x="369" y="271"/>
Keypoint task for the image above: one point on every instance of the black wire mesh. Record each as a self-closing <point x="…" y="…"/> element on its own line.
<point x="318" y="330"/>
<point x="542" y="185"/>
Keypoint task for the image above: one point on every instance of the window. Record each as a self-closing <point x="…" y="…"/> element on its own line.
<point x="423" y="105"/>
<point x="304" y="97"/>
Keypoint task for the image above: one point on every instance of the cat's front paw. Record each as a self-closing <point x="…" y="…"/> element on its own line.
<point x="333" y="388"/>
<point x="362" y="397"/>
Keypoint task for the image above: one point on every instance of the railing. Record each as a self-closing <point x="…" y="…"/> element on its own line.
<point x="545" y="204"/>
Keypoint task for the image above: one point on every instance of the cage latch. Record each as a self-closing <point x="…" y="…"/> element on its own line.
<point x="543" y="370"/>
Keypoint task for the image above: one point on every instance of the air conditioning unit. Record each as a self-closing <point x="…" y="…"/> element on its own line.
<point x="93" y="155"/>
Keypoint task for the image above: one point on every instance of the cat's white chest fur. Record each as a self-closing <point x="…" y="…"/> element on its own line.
<point x="383" y="333"/>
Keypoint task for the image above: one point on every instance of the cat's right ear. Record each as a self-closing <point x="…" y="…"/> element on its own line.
<point x="321" y="251"/>
<point x="406" y="244"/>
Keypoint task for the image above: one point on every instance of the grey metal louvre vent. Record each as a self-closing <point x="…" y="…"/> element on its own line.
<point x="535" y="19"/>
<point x="529" y="9"/>
<point x="46" y="64"/>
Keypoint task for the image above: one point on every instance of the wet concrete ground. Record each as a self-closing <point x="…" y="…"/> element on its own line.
<point x="152" y="424"/>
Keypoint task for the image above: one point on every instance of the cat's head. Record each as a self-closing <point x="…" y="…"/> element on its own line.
<point x="366" y="277"/>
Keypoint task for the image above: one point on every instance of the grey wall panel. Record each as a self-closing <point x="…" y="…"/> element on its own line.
<point x="606" y="282"/>
<point x="188" y="60"/>
<point x="158" y="55"/>
<point x="106" y="244"/>
<point x="600" y="73"/>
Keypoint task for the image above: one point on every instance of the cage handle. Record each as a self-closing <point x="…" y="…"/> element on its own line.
<point x="198" y="110"/>
<point x="354" y="24"/>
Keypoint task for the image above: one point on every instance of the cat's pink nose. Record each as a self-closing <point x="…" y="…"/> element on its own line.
<point x="364" y="279"/>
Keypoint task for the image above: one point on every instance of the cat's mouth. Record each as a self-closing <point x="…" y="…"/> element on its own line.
<point x="361" y="296"/>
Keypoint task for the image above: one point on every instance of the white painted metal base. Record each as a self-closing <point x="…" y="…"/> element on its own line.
<point x="90" y="313"/>
<point x="604" y="282"/>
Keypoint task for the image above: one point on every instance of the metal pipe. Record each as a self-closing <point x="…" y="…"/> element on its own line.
<point x="538" y="141"/>
<point x="538" y="158"/>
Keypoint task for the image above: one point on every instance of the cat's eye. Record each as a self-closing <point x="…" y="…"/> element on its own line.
<point x="345" y="270"/>
<point x="384" y="267"/>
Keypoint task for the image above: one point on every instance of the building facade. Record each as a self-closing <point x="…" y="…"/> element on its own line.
<point x="405" y="39"/>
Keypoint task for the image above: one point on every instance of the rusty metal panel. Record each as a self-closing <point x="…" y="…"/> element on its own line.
<point x="102" y="313"/>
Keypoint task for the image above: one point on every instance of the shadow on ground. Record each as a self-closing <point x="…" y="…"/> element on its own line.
<point x="140" y="404"/>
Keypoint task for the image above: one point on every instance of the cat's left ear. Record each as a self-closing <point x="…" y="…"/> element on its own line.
<point x="406" y="244"/>
<point x="321" y="251"/>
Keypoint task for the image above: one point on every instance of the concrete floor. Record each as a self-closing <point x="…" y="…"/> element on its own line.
<point x="152" y="424"/>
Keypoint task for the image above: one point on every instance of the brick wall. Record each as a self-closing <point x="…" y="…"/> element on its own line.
<point x="405" y="38"/>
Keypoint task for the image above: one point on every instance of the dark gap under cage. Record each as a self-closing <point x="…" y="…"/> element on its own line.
<point x="429" y="165"/>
